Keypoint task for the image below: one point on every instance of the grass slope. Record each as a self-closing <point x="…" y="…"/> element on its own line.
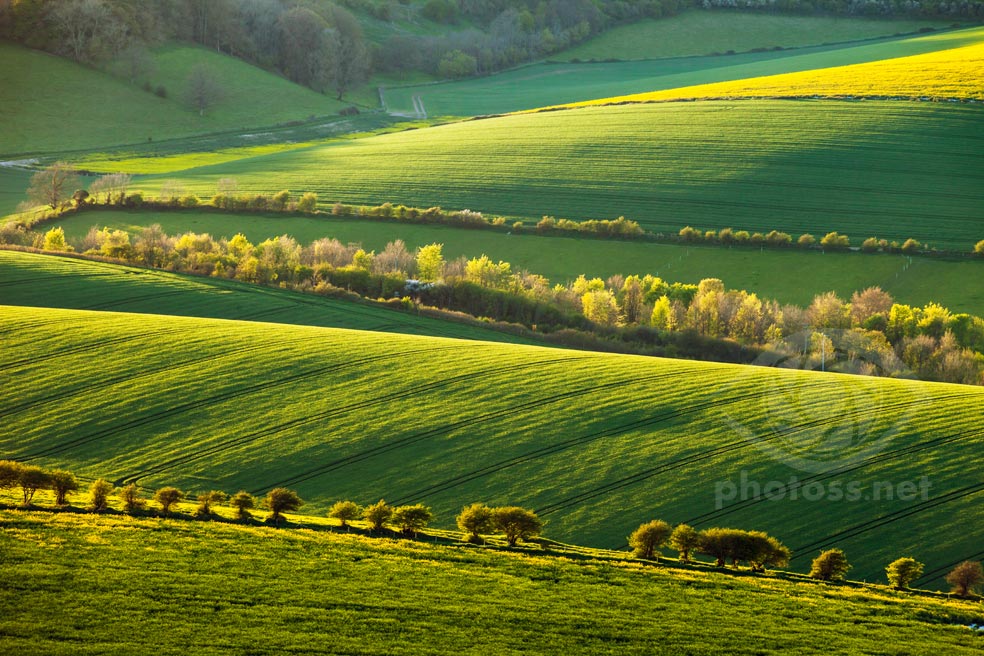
<point x="556" y="84"/>
<point x="952" y="73"/>
<point x="704" y="32"/>
<point x="792" y="276"/>
<point x="52" y="104"/>
<point x="36" y="280"/>
<point x="268" y="591"/>
<point x="887" y="169"/>
<point x="596" y="443"/>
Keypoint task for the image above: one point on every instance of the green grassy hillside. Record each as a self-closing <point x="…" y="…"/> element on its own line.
<point x="887" y="169"/>
<point x="699" y="32"/>
<point x="52" y="104"/>
<point x="595" y="443"/>
<point x="34" y="280"/>
<point x="197" y="588"/>
<point x="791" y="276"/>
<point x="553" y="84"/>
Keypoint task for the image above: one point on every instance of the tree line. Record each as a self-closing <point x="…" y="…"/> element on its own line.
<point x="757" y="549"/>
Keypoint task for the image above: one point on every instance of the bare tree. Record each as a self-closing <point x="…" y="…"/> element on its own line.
<point x="82" y="25"/>
<point x="203" y="88"/>
<point x="53" y="185"/>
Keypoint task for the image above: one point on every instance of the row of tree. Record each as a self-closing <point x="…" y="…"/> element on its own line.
<point x="832" y="241"/>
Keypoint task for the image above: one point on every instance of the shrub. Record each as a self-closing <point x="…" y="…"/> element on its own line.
<point x="167" y="497"/>
<point x="206" y="500"/>
<point x="308" y="202"/>
<point x="684" y="539"/>
<point x="160" y="91"/>
<point x="280" y="199"/>
<point x="517" y="523"/>
<point x="806" y="241"/>
<point x="979" y="248"/>
<point x="911" y="246"/>
<point x="345" y="511"/>
<point x="903" y="571"/>
<point x="63" y="482"/>
<point x="378" y="514"/>
<point x="280" y="500"/>
<point x="243" y="502"/>
<point x="190" y="201"/>
<point x="966" y="577"/>
<point x="475" y="520"/>
<point x="834" y="241"/>
<point x="99" y="493"/>
<point x="649" y="537"/>
<point x="830" y="565"/>
<point x="130" y="496"/>
<point x="9" y="473"/>
<point x="32" y="479"/>
<point x="869" y="245"/>
<point x="411" y="519"/>
<point x="689" y="234"/>
<point x="54" y="240"/>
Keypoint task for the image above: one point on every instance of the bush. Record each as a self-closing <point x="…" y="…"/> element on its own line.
<point x="835" y="241"/>
<point x="649" y="537"/>
<point x="378" y="514"/>
<point x="966" y="577"/>
<point x="167" y="497"/>
<point x="684" y="539"/>
<point x="308" y="202"/>
<point x="411" y="519"/>
<point x="979" y="248"/>
<point x="869" y="245"/>
<point x="99" y="493"/>
<point x="516" y="523"/>
<point x="806" y="241"/>
<point x="130" y="496"/>
<point x="345" y="511"/>
<point x="205" y="502"/>
<point x="32" y="479"/>
<point x="830" y="565"/>
<point x="160" y="91"/>
<point x="10" y="473"/>
<point x="475" y="520"/>
<point x="243" y="502"/>
<point x="280" y="500"/>
<point x="903" y="571"/>
<point x="63" y="482"/>
<point x="911" y="246"/>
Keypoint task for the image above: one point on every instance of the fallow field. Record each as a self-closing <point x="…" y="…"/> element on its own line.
<point x="595" y="443"/>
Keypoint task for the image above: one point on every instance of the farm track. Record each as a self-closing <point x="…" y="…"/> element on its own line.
<point x="217" y="398"/>
<point x="645" y="474"/>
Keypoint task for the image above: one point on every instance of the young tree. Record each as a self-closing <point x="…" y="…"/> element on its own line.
<point x="167" y="497"/>
<point x="345" y="511"/>
<point x="966" y="577"/>
<point x="54" y="240"/>
<point x="378" y="514"/>
<point x="903" y="571"/>
<point x="208" y="499"/>
<point x="32" y="479"/>
<point x="10" y="473"/>
<point x="62" y="483"/>
<point x="280" y="500"/>
<point x="308" y="202"/>
<point x="243" y="502"/>
<point x="281" y="199"/>
<point x="475" y="520"/>
<point x="53" y="185"/>
<point x="685" y="539"/>
<point x="649" y="537"/>
<point x="130" y="496"/>
<point x="830" y="565"/>
<point x="411" y="519"/>
<point x="430" y="262"/>
<point x="99" y="493"/>
<point x="348" y="58"/>
<point x="203" y="88"/>
<point x="517" y="523"/>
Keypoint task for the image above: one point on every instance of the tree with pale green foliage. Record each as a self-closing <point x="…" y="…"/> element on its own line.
<point x="54" y="240"/>
<point x="32" y="479"/>
<point x="979" y="247"/>
<point x="131" y="498"/>
<point x="430" y="262"/>
<point x="99" y="493"/>
<point x="308" y="202"/>
<point x="835" y="240"/>
<point x="345" y="511"/>
<point x="208" y="499"/>
<point x="411" y="519"/>
<point x="377" y="514"/>
<point x="280" y="500"/>
<point x="243" y="502"/>
<point x="281" y="199"/>
<point x="62" y="484"/>
<point x="830" y="565"/>
<point x="475" y="520"/>
<point x="167" y="497"/>
<point x="684" y="539"/>
<point x="662" y="317"/>
<point x="9" y="473"/>
<point x="649" y="537"/>
<point x="903" y="571"/>
<point x="516" y="523"/>
<point x="600" y="307"/>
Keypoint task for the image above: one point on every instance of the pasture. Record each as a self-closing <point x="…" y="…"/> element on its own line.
<point x="595" y="443"/>
<point x="893" y="170"/>
<point x="547" y="84"/>
<point x="698" y="32"/>
<point x="789" y="276"/>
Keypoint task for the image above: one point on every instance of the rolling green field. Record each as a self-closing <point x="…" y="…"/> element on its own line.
<point x="698" y="32"/>
<point x="35" y="280"/>
<point x="542" y="85"/>
<point x="197" y="588"/>
<point x="595" y="443"/>
<point x="887" y="169"/>
<point x="81" y="108"/>
<point x="789" y="276"/>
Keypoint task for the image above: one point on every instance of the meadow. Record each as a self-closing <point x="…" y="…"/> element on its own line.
<point x="892" y="170"/>
<point x="951" y="73"/>
<point x="595" y="443"/>
<point x="33" y="280"/>
<point x="789" y="276"/>
<point x="697" y="32"/>
<point x="548" y="84"/>
<point x="196" y="588"/>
